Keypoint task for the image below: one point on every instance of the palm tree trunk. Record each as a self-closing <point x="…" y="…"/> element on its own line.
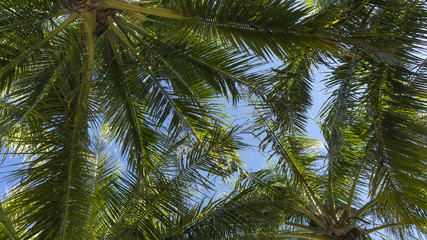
<point x="101" y="13"/>
<point x="74" y="5"/>
<point x="350" y="232"/>
<point x="355" y="234"/>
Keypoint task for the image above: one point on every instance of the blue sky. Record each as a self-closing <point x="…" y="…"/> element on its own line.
<point x="253" y="159"/>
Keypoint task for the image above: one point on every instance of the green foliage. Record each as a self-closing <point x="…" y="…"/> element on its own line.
<point x="147" y="75"/>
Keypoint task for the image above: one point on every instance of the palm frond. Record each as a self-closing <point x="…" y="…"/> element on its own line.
<point x="267" y="28"/>
<point x="7" y="229"/>
<point x="288" y="94"/>
<point x="50" y="195"/>
<point x="384" y="97"/>
<point x="148" y="208"/>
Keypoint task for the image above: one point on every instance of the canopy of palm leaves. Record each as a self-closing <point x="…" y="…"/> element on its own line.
<point x="148" y="72"/>
<point x="375" y="131"/>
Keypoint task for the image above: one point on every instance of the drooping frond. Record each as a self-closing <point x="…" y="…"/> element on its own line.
<point x="7" y="228"/>
<point x="50" y="195"/>
<point x="268" y="28"/>
<point x="373" y="119"/>
<point x="149" y="209"/>
<point x="288" y="94"/>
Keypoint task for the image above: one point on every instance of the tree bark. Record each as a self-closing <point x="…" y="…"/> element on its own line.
<point x="74" y="5"/>
<point x="101" y="13"/>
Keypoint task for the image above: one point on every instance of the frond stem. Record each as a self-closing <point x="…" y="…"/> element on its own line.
<point x="123" y="37"/>
<point x="381" y="227"/>
<point x="127" y="95"/>
<point x="364" y="208"/>
<point x="82" y="105"/>
<point x="353" y="187"/>
<point x="160" y="12"/>
<point x="298" y="173"/>
<point x="312" y="229"/>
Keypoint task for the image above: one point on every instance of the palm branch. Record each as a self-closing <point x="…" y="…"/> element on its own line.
<point x="373" y="128"/>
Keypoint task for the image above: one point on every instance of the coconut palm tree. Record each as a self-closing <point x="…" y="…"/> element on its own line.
<point x="149" y="71"/>
<point x="145" y="70"/>
<point x="121" y="204"/>
<point x="298" y="198"/>
<point x="373" y="176"/>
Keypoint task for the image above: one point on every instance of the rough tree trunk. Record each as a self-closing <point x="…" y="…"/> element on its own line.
<point x="75" y="5"/>
<point x="343" y="229"/>
<point x="101" y="13"/>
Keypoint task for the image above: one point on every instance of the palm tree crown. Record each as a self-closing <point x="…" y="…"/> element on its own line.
<point x="147" y="75"/>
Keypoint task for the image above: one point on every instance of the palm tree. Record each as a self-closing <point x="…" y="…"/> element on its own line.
<point x="374" y="130"/>
<point x="298" y="199"/>
<point x="149" y="71"/>
<point x="145" y="70"/>
<point x="121" y="204"/>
